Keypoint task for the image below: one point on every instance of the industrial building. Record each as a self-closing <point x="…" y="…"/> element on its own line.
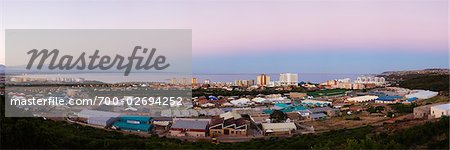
<point x="134" y="123"/>
<point x="425" y="112"/>
<point x="100" y="118"/>
<point x="421" y="94"/>
<point x="440" y="110"/>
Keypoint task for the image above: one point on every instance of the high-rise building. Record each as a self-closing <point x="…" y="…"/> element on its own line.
<point x="263" y="80"/>
<point x="194" y="81"/>
<point x="287" y="79"/>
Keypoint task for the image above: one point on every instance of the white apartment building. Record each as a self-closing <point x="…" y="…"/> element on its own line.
<point x="374" y="80"/>
<point x="287" y="79"/>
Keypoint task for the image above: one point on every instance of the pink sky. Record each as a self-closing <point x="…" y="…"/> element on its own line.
<point x="235" y="27"/>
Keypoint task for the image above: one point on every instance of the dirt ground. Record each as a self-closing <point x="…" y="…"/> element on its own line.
<point x="342" y="123"/>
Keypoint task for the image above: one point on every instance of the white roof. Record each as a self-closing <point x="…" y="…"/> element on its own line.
<point x="421" y="94"/>
<point x="315" y="101"/>
<point x="276" y="127"/>
<point x="443" y="106"/>
<point x="362" y="98"/>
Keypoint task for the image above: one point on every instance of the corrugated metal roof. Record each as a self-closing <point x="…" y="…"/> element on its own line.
<point x="190" y="124"/>
<point x="318" y="115"/>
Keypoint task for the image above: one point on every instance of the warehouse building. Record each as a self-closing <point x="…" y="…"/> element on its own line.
<point x="425" y="112"/>
<point x="278" y="128"/>
<point x="440" y="110"/>
<point x="421" y="94"/>
<point x="134" y="123"/>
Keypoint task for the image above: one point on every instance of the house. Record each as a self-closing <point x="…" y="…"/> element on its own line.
<point x="278" y="128"/>
<point x="189" y="127"/>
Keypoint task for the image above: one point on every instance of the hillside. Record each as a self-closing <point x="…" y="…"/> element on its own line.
<point x="427" y="82"/>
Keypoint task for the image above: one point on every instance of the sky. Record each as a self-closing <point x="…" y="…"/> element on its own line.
<point x="264" y="36"/>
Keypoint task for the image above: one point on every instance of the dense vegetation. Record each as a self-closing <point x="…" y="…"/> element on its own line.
<point x="426" y="82"/>
<point x="39" y="133"/>
<point x="402" y="108"/>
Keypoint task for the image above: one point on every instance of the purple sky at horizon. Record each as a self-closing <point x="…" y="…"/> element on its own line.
<point x="324" y="36"/>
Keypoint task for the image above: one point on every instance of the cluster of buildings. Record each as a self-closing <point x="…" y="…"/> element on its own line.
<point x="26" y="79"/>
<point x="391" y="95"/>
<point x="259" y="100"/>
<point x="360" y="83"/>
<point x="262" y="80"/>
<point x="229" y="123"/>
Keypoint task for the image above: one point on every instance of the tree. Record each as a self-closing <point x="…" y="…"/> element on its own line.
<point x="278" y="116"/>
